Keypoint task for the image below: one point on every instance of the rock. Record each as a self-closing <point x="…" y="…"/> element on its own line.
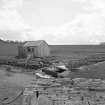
<point x="65" y="74"/>
<point x="57" y="92"/>
<point x="43" y="100"/>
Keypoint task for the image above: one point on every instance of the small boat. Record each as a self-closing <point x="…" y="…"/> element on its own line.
<point x="61" y="68"/>
<point x="50" y="72"/>
<point x="41" y="75"/>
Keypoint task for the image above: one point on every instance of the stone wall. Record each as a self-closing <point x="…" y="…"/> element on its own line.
<point x="64" y="92"/>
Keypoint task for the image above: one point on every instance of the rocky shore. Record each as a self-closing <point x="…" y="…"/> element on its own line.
<point x="65" y="91"/>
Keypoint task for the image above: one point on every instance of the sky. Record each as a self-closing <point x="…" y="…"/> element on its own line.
<point x="56" y="21"/>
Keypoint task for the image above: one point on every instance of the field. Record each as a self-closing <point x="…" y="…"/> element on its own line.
<point x="11" y="85"/>
<point x="92" y="71"/>
<point x="76" y="51"/>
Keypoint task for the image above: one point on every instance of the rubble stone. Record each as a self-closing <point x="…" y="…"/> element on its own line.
<point x="55" y="92"/>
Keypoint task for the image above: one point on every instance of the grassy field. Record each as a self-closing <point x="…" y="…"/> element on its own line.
<point x="75" y="51"/>
<point x="94" y="71"/>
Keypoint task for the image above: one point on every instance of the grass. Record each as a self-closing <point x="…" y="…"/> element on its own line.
<point x="95" y="71"/>
<point x="76" y="51"/>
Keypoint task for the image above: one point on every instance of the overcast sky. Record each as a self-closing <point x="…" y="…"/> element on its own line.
<point x="56" y="21"/>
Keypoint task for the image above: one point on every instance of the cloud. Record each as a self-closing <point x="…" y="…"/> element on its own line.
<point x="12" y="25"/>
<point x="87" y="27"/>
<point x="12" y="4"/>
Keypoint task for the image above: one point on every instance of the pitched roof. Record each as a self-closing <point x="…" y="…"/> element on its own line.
<point x="33" y="43"/>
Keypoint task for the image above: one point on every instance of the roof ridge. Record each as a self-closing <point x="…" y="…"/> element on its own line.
<point x="34" y="43"/>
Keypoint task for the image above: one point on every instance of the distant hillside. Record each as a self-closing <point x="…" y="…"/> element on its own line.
<point x="76" y="51"/>
<point x="9" y="48"/>
<point x="77" y="48"/>
<point x="10" y="42"/>
<point x="102" y="43"/>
